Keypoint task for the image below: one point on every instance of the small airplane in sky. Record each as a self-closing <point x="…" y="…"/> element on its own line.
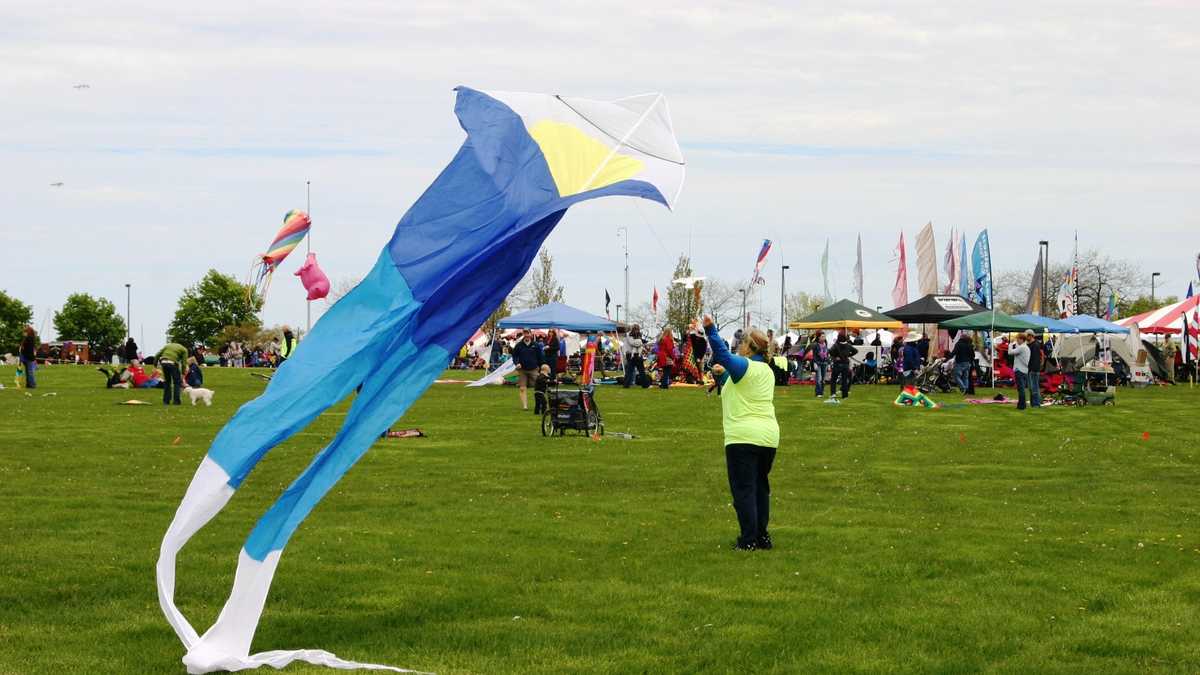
<point x="83" y="86"/>
<point x="58" y="184"/>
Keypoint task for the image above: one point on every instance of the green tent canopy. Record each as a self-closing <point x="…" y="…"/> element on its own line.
<point x="991" y="321"/>
<point x="846" y="314"/>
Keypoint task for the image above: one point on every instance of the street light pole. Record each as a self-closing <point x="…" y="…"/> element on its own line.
<point x="128" y="326"/>
<point x="743" y="322"/>
<point x="1152" y="278"/>
<point x="1044" y="252"/>
<point x="782" y="294"/>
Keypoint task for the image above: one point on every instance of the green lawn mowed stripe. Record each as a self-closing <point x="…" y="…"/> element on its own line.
<point x="966" y="539"/>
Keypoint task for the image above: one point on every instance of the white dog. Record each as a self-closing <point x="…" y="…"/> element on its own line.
<point x="199" y="393"/>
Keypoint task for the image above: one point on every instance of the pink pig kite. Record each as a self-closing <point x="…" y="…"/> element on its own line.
<point x="314" y="280"/>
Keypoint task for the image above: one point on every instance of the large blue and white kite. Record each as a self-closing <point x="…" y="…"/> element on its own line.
<point x="453" y="258"/>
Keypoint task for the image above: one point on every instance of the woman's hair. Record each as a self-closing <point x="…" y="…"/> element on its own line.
<point x="756" y="341"/>
<point x="29" y="330"/>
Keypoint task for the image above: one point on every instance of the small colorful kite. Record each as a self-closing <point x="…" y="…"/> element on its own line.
<point x="294" y="230"/>
<point x="915" y="398"/>
<point x="313" y="278"/>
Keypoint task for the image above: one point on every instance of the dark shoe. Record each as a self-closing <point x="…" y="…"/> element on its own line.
<point x="764" y="543"/>
<point x="738" y="545"/>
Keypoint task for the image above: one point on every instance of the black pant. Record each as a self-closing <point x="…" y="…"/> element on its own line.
<point x="748" y="466"/>
<point x="172" y="383"/>
<point x="841" y="373"/>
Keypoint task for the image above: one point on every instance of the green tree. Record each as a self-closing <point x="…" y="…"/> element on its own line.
<point x="96" y="320"/>
<point x="501" y="312"/>
<point x="681" y="301"/>
<point x="14" y="316"/>
<point x="217" y="301"/>
<point x="1143" y="303"/>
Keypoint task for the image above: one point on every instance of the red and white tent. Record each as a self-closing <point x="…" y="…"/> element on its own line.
<point x="1167" y="319"/>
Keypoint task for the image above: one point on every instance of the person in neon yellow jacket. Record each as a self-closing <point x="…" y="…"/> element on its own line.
<point x="751" y="432"/>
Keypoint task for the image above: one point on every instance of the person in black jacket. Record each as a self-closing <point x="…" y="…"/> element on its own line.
<point x="840" y="354"/>
<point x="29" y="345"/>
<point x="528" y="357"/>
<point x="964" y="358"/>
<point x="129" y="351"/>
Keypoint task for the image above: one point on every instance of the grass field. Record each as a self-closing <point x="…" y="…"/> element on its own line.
<point x="978" y="538"/>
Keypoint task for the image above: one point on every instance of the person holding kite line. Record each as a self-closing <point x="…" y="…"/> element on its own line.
<point x="751" y="432"/>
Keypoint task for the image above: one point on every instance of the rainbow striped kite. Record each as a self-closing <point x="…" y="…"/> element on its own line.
<point x="762" y="260"/>
<point x="453" y="258"/>
<point x="294" y="230"/>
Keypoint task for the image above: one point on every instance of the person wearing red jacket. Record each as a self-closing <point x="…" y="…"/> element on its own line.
<point x="665" y="357"/>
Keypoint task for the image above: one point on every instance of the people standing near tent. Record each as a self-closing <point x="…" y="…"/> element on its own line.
<point x="550" y="351"/>
<point x="910" y="359"/>
<point x="1168" y="352"/>
<point x="632" y="346"/>
<point x="560" y="363"/>
<point x="750" y="429"/>
<point x="528" y="357"/>
<point x="819" y="351"/>
<point x="1019" y="351"/>
<point x="29" y="345"/>
<point x="1037" y="359"/>
<point x="665" y="357"/>
<point x="964" y="357"/>
<point x="840" y="356"/>
<point x="171" y="359"/>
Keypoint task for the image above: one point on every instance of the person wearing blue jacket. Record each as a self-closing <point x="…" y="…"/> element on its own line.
<point x="911" y="359"/>
<point x="194" y="378"/>
<point x="750" y="429"/>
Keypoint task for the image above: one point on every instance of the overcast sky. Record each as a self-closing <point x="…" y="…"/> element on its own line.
<point x="203" y="122"/>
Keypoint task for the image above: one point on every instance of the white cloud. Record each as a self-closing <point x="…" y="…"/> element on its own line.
<point x="800" y="122"/>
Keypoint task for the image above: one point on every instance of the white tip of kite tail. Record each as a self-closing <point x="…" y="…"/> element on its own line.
<point x="205" y="659"/>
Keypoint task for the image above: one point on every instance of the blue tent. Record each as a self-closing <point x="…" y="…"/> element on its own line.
<point x="1090" y="324"/>
<point x="1052" y="325"/>
<point x="558" y="315"/>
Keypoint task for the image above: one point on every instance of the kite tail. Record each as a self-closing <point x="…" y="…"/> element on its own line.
<point x="334" y="359"/>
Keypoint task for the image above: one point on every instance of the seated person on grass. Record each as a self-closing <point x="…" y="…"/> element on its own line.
<point x="193" y="377"/>
<point x="117" y="378"/>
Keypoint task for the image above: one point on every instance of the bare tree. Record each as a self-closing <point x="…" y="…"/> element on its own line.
<point x="1099" y="276"/>
<point x="723" y="300"/>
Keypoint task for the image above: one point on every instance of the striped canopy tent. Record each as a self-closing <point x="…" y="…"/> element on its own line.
<point x="1163" y="320"/>
<point x="846" y="314"/>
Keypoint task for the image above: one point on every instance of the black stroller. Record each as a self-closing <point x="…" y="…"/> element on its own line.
<point x="572" y="409"/>
<point x="933" y="377"/>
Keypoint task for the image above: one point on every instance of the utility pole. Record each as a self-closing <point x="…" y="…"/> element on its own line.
<point x="743" y="322"/>
<point x="782" y="294"/>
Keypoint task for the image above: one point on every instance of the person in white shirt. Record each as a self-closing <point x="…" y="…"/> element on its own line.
<point x="1020" y="356"/>
<point x="632" y="345"/>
